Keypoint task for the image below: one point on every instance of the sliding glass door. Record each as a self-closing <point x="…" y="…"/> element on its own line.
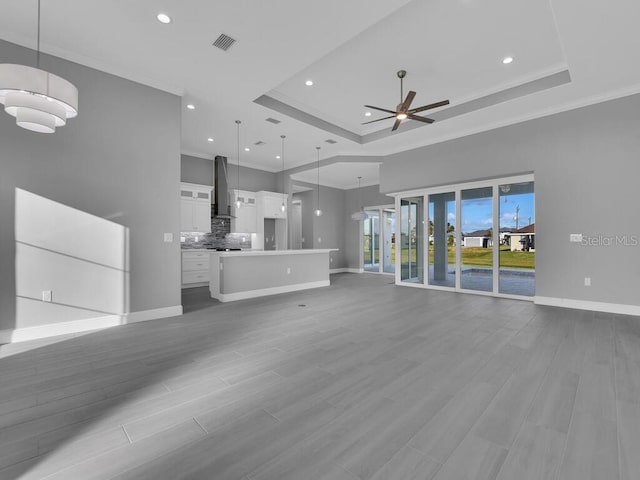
<point x="371" y="241"/>
<point x="388" y="244"/>
<point x="480" y="237"/>
<point x="476" y="252"/>
<point x="412" y="239"/>
<point x="442" y="239"/>
<point x="517" y="239"/>
<point x="378" y="240"/>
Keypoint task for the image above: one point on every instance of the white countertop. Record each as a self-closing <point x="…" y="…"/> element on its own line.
<point x="236" y="253"/>
<point x="256" y="253"/>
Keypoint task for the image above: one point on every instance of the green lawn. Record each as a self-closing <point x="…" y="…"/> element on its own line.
<point x="483" y="257"/>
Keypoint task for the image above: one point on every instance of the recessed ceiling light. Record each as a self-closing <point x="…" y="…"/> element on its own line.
<point x="367" y="114"/>
<point x="247" y="149"/>
<point x="191" y="106"/>
<point x="278" y="157"/>
<point x="308" y="83"/>
<point x="163" y="18"/>
<point x="507" y="60"/>
<point x="209" y="139"/>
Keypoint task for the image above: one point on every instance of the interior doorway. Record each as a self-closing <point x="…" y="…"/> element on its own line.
<point x="296" y="224"/>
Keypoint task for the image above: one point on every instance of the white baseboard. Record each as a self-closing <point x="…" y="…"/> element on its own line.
<point x="345" y="270"/>
<point x="154" y="314"/>
<point x="262" y="292"/>
<point x="617" y="308"/>
<point x="85" y="325"/>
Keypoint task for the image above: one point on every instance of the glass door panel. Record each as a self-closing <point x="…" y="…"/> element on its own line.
<point x="442" y="235"/>
<point x="388" y="241"/>
<point x="412" y="239"/>
<point x="517" y="239"/>
<point x="476" y="253"/>
<point x="371" y="241"/>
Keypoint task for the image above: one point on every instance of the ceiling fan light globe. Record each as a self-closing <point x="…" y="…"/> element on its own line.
<point x="401" y="116"/>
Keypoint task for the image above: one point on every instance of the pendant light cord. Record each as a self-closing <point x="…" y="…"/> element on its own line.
<point x="318" y="182"/>
<point x="282" y="137"/>
<point x="238" y="122"/>
<point x="38" y="46"/>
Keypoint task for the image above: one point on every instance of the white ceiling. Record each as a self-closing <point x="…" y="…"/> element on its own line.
<point x="342" y="175"/>
<point x="451" y="49"/>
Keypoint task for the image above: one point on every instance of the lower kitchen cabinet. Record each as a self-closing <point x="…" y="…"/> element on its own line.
<point x="195" y="269"/>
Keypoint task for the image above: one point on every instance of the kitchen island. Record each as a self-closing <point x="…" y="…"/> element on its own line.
<point x="256" y="273"/>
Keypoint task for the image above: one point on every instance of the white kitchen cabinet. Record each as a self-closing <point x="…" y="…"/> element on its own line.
<point x="195" y="268"/>
<point x="244" y="220"/>
<point x="195" y="208"/>
<point x="270" y="204"/>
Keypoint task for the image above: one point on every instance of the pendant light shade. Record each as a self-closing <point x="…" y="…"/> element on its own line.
<point x="360" y="214"/>
<point x="238" y="202"/>
<point x="283" y="207"/>
<point x="318" y="212"/>
<point x="40" y="101"/>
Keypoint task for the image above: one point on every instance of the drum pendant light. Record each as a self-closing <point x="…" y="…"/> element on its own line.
<point x="40" y="101"/>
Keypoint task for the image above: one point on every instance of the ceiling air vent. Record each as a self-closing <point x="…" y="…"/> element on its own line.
<point x="224" y="42"/>
<point x="259" y="142"/>
<point x="331" y="141"/>
<point x="273" y="120"/>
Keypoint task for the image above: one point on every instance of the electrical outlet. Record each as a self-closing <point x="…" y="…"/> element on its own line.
<point x="168" y="237"/>
<point x="587" y="281"/>
<point x="47" y="296"/>
<point x="288" y="270"/>
<point x="319" y="239"/>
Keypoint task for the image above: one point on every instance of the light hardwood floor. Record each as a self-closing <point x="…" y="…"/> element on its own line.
<point x="359" y="380"/>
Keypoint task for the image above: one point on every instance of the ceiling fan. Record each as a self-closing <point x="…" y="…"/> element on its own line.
<point x="402" y="111"/>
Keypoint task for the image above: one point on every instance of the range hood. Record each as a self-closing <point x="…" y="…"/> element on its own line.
<point x="221" y="207"/>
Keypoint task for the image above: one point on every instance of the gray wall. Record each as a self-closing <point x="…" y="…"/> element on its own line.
<point x="196" y="170"/>
<point x="325" y="231"/>
<point x="120" y="159"/>
<point x="307" y="198"/>
<point x="353" y="200"/>
<point x="326" y="228"/>
<point x="252" y="180"/>
<point x="200" y="170"/>
<point x="586" y="166"/>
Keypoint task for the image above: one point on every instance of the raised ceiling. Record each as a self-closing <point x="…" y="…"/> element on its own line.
<point x="567" y="53"/>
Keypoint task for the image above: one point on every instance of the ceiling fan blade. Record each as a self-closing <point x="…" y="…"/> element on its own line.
<point x="429" y="107"/>
<point x="420" y="119"/>
<point x="381" y="109"/>
<point x="396" y="124"/>
<point x="407" y="101"/>
<point x="379" y="119"/>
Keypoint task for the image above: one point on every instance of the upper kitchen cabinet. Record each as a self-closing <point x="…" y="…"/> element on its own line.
<point x="244" y="217"/>
<point x="195" y="208"/>
<point x="270" y="204"/>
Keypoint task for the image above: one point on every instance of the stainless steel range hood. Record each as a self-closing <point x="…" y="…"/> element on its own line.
<point x="221" y="208"/>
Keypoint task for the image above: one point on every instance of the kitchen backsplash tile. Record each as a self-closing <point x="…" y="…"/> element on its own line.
<point x="220" y="237"/>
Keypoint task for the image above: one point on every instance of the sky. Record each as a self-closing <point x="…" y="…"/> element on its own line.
<point x="477" y="214"/>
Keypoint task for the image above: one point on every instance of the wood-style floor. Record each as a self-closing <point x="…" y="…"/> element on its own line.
<point x="359" y="380"/>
